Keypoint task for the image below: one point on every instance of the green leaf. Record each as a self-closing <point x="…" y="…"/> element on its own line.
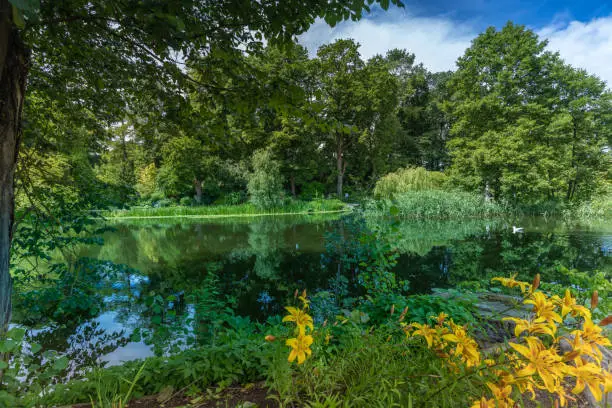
<point x="60" y="364"/>
<point x="35" y="348"/>
<point x="18" y="18"/>
<point x="3" y="365"/>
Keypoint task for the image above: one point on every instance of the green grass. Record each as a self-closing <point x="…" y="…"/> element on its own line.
<point x="240" y="210"/>
<point x="436" y="204"/>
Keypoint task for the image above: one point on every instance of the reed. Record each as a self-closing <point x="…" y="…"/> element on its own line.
<point x="436" y="204"/>
<point x="247" y="209"/>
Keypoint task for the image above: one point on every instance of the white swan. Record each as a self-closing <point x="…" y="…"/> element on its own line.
<point x="516" y="229"/>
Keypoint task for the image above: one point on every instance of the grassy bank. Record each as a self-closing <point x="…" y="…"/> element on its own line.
<point x="435" y="204"/>
<point x="240" y="210"/>
<point x="386" y="350"/>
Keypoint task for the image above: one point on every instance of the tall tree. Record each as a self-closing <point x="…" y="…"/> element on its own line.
<point x="522" y="118"/>
<point x="96" y="53"/>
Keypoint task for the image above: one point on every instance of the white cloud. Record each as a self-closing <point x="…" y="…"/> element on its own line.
<point x="439" y="41"/>
<point x="584" y="45"/>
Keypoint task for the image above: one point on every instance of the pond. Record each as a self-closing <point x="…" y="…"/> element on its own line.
<point x="256" y="264"/>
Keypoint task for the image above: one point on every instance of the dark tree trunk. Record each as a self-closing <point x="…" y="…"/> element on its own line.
<point x="292" y="180"/>
<point x="13" y="73"/>
<point x="198" y="190"/>
<point x="340" y="167"/>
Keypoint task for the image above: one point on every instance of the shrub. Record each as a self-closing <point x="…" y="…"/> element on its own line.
<point x="436" y="204"/>
<point x="164" y="202"/>
<point x="408" y="179"/>
<point x="186" y="201"/>
<point x="265" y="184"/>
<point x="312" y="190"/>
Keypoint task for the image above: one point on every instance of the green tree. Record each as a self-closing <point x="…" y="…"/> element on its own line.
<point x="265" y="182"/>
<point x="185" y="167"/>
<point x="521" y="118"/>
<point x="106" y="54"/>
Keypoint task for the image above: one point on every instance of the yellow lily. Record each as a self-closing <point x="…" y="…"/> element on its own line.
<point x="301" y="319"/>
<point x="532" y="326"/>
<point x="591" y="334"/>
<point x="467" y="348"/>
<point x="512" y="283"/>
<point x="543" y="307"/>
<point x="589" y="375"/>
<point x="425" y="331"/>
<point x="546" y="363"/>
<point x="501" y="394"/>
<point x="568" y="305"/>
<point x="300" y="348"/>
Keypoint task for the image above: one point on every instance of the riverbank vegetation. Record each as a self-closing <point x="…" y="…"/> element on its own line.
<point x="247" y="209"/>
<point x="433" y="347"/>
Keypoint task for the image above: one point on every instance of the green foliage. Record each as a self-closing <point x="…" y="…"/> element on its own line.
<point x="186" y="201"/>
<point x="265" y="183"/>
<point x="164" y="208"/>
<point x="408" y="179"/>
<point x="146" y="180"/>
<point x="528" y="127"/>
<point x="435" y="204"/>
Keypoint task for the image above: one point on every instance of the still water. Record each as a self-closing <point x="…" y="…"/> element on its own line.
<point x="259" y="262"/>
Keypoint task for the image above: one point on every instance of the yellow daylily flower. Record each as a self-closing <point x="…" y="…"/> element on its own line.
<point x="512" y="283"/>
<point x="580" y="348"/>
<point x="501" y="394"/>
<point x="607" y="385"/>
<point x="425" y="331"/>
<point x="591" y="335"/>
<point x="568" y="305"/>
<point x="589" y="375"/>
<point x="441" y="318"/>
<point x="546" y="363"/>
<point x="467" y="348"/>
<point x="532" y="326"/>
<point x="301" y="319"/>
<point x="305" y="302"/>
<point x="300" y="348"/>
<point x="543" y="307"/>
<point x="562" y="394"/>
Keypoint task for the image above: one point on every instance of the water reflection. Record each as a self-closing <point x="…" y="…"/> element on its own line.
<point x="259" y="264"/>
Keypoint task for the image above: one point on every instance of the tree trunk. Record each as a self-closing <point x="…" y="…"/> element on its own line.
<point x="13" y="73"/>
<point x="198" y="190"/>
<point x="292" y="180"/>
<point x="340" y="167"/>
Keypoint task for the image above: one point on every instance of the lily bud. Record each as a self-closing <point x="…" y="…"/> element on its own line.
<point x="304" y="293"/>
<point x="392" y="309"/>
<point x="325" y="323"/>
<point x="401" y="318"/>
<point x="594" y="300"/>
<point x="536" y="283"/>
<point x="295" y="294"/>
<point x="606" y="321"/>
<point x="270" y="338"/>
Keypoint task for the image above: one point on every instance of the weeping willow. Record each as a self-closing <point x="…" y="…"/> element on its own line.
<point x="408" y="179"/>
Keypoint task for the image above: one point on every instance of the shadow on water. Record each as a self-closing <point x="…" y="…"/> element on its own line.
<point x="259" y="263"/>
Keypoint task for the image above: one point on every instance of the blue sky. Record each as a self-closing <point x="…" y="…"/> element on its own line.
<point x="439" y="31"/>
<point x="533" y="13"/>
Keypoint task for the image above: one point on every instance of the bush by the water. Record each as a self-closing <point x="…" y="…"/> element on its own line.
<point x="435" y="204"/>
<point x="265" y="183"/>
<point x="408" y="179"/>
